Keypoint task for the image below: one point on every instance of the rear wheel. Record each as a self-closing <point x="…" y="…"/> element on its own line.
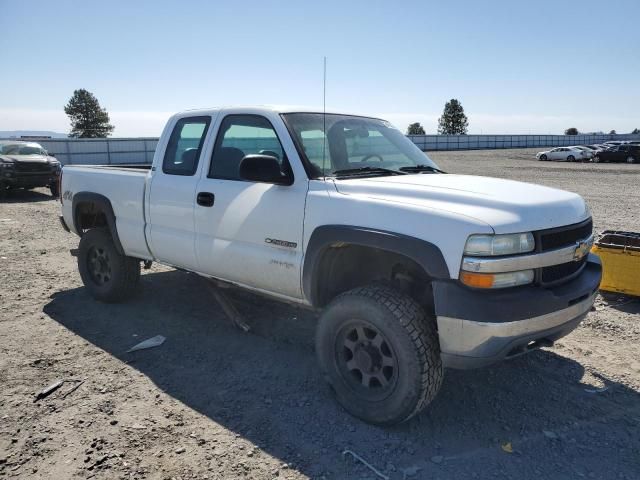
<point x="108" y="275"/>
<point x="631" y="159"/>
<point x="379" y="354"/>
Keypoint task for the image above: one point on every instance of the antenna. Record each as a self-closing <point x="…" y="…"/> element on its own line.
<point x="324" y="115"/>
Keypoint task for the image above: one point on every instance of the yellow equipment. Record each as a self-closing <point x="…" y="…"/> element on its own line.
<point x="620" y="255"/>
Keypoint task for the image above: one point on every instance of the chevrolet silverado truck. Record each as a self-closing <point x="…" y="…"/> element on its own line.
<point x="27" y="165"/>
<point x="412" y="269"/>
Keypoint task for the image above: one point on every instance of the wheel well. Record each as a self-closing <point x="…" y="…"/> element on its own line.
<point x="343" y="267"/>
<point x="91" y="210"/>
<point x="89" y="215"/>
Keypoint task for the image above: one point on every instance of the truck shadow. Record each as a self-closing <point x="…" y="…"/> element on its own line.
<point x="264" y="386"/>
<point x="27" y="196"/>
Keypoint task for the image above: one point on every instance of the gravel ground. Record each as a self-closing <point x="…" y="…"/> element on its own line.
<point x="213" y="402"/>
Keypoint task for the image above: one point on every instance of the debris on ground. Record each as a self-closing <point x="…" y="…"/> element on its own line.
<point x="148" y="343"/>
<point x="507" y="447"/>
<point x="74" y="388"/>
<point x="228" y="307"/>
<point x="550" y="435"/>
<point x="596" y="390"/>
<point x="364" y="462"/>
<point x="48" y="391"/>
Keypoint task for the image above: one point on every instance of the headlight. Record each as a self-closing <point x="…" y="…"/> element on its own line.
<point x="492" y="245"/>
<point x="6" y="165"/>
<point x="496" y="280"/>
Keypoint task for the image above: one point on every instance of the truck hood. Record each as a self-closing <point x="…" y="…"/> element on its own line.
<point x="505" y="205"/>
<point x="27" y="158"/>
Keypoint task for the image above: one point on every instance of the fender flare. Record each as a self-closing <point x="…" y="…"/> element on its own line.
<point x="103" y="204"/>
<point x="424" y="253"/>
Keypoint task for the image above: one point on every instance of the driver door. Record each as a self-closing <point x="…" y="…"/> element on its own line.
<point x="251" y="232"/>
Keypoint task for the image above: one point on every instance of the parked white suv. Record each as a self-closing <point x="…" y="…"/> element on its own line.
<point x="412" y="269"/>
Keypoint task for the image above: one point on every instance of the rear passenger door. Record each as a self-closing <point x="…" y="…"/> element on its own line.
<point x="172" y="193"/>
<point x="252" y="232"/>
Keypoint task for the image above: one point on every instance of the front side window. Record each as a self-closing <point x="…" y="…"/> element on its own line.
<point x="185" y="145"/>
<point x="331" y="143"/>
<point x="242" y="135"/>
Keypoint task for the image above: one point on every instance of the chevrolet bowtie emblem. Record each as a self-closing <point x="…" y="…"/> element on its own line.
<point x="582" y="249"/>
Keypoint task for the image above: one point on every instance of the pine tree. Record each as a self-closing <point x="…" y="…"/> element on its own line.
<point x="453" y="120"/>
<point x="88" y="118"/>
<point x="415" y="129"/>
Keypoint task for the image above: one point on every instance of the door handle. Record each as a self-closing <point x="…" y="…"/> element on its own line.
<point x="205" y="199"/>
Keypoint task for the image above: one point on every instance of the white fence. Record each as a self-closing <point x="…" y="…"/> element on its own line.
<point x="113" y="151"/>
<point x="100" y="151"/>
<point x="480" y="142"/>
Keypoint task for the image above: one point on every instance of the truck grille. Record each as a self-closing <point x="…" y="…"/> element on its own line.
<point x="563" y="236"/>
<point x="557" y="238"/>
<point x="564" y="271"/>
<point x="32" y="167"/>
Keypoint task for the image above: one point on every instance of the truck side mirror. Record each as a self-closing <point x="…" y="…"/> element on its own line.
<point x="263" y="168"/>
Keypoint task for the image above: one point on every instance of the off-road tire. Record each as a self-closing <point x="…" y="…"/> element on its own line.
<point x="411" y="337"/>
<point x="123" y="275"/>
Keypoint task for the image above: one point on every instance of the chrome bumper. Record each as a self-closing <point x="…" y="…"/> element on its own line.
<point x="471" y="344"/>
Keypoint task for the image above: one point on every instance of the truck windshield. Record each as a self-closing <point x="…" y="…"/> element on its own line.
<point x="345" y="145"/>
<point x="21" y="149"/>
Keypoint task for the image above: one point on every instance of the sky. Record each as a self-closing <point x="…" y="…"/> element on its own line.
<point x="517" y="67"/>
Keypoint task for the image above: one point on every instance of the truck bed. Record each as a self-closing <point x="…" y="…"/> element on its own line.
<point x="124" y="186"/>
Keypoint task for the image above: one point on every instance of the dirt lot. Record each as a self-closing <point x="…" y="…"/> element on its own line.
<point x="213" y="402"/>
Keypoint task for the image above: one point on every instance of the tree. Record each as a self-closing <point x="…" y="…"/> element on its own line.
<point x="88" y="118"/>
<point x="453" y="120"/>
<point x="571" y="131"/>
<point x="635" y="131"/>
<point x="612" y="132"/>
<point x="415" y="129"/>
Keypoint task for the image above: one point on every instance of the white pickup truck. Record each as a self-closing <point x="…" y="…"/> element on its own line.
<point x="413" y="269"/>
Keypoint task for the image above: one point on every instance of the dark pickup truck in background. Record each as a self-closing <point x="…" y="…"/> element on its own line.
<point x="27" y="165"/>
<point x="621" y="153"/>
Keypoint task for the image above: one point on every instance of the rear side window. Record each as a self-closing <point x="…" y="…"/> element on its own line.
<point x="184" y="147"/>
<point x="241" y="135"/>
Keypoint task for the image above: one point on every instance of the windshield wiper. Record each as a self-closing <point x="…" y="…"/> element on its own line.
<point x="421" y="168"/>
<point x="366" y="170"/>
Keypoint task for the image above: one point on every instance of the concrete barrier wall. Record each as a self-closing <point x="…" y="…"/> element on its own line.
<point x="113" y="151"/>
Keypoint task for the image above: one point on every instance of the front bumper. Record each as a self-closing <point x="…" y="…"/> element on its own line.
<point x="28" y="180"/>
<point x="478" y="328"/>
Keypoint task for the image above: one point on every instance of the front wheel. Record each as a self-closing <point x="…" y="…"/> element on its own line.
<point x="108" y="275"/>
<point x="543" y="158"/>
<point x="379" y="354"/>
<point x="571" y="158"/>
